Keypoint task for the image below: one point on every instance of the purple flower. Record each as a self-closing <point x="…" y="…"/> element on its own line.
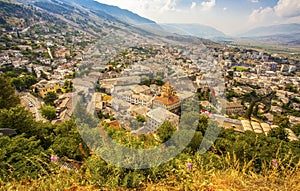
<point x="189" y="166"/>
<point x="54" y="158"/>
<point x="274" y="163"/>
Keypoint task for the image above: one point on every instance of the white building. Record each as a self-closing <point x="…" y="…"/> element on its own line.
<point x="157" y="116"/>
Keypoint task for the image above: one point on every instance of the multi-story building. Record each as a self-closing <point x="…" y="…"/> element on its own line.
<point x="44" y="87"/>
<point x="157" y="116"/>
<point x="168" y="99"/>
<point x="234" y="108"/>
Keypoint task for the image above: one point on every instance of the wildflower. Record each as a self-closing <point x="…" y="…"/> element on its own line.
<point x="189" y="166"/>
<point x="54" y="158"/>
<point x="274" y="163"/>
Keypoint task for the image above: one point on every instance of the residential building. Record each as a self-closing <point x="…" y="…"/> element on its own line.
<point x="157" y="116"/>
<point x="44" y="87"/>
<point x="234" y="107"/>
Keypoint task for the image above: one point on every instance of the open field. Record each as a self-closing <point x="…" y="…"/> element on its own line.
<point x="286" y="51"/>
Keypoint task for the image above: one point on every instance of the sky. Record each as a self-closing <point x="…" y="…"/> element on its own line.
<point x="228" y="16"/>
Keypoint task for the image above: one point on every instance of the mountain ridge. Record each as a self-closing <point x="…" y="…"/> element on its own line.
<point x="280" y="29"/>
<point x="197" y="30"/>
<point x="121" y="14"/>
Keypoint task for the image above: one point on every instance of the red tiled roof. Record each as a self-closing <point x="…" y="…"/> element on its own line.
<point x="168" y="100"/>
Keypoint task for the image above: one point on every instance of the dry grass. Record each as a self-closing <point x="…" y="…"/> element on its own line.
<point x="200" y="177"/>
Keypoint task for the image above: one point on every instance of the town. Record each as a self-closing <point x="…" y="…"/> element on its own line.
<point x="97" y="97"/>
<point x="148" y="80"/>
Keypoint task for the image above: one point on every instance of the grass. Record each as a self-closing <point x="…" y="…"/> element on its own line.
<point x="202" y="176"/>
<point x="240" y="68"/>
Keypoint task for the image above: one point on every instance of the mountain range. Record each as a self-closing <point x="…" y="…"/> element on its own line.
<point x="120" y="14"/>
<point x="198" y="30"/>
<point x="283" y="29"/>
<point x="286" y="34"/>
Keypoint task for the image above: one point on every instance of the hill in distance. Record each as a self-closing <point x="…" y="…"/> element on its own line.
<point x="197" y="30"/>
<point x="283" y="29"/>
<point x="284" y="34"/>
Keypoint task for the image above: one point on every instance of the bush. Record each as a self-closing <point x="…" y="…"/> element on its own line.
<point x="49" y="112"/>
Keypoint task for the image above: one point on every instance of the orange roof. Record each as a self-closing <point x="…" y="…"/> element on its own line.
<point x="115" y="124"/>
<point x="61" y="51"/>
<point x="168" y="100"/>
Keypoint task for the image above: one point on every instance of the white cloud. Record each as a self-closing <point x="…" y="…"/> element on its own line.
<point x="254" y="1"/>
<point x="194" y="4"/>
<point x="285" y="11"/>
<point x="288" y="8"/>
<point x="207" y="5"/>
<point x="225" y="8"/>
<point x="170" y="5"/>
<point x="261" y="15"/>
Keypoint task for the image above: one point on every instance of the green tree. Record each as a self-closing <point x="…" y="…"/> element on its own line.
<point x="49" y="112"/>
<point x="165" y="131"/>
<point x="43" y="75"/>
<point x="281" y="121"/>
<point x="145" y="80"/>
<point x="50" y="98"/>
<point x="17" y="118"/>
<point x="67" y="140"/>
<point x="33" y="72"/>
<point x="140" y="118"/>
<point x="249" y="111"/>
<point x="279" y="133"/>
<point x="255" y="110"/>
<point x="68" y="86"/>
<point x="8" y="98"/>
<point x="196" y="141"/>
<point x="24" y="82"/>
<point x="20" y="157"/>
<point x="202" y="124"/>
<point x="296" y="129"/>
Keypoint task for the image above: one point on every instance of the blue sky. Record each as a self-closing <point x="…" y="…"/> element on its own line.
<point x="229" y="16"/>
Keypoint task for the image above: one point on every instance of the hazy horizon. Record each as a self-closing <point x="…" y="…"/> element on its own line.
<point x="229" y="17"/>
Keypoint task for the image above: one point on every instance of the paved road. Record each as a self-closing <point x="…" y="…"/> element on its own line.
<point x="33" y="104"/>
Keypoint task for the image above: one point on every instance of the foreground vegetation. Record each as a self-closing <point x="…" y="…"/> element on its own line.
<point x="174" y="175"/>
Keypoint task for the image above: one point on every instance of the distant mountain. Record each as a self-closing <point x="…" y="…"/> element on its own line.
<point x="120" y="14"/>
<point x="197" y="30"/>
<point x="285" y="34"/>
<point x="108" y="12"/>
<point x="284" y="29"/>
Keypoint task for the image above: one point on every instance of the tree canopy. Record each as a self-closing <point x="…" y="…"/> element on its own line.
<point x="165" y="131"/>
<point x="8" y="98"/>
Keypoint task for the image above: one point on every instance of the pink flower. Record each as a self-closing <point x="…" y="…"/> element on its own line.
<point x="189" y="166"/>
<point x="274" y="163"/>
<point x="54" y="158"/>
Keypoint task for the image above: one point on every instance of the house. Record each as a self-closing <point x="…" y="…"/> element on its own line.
<point x="141" y="90"/>
<point x="44" y="87"/>
<point x="137" y="95"/>
<point x="157" y="116"/>
<point x="139" y="110"/>
<point x="64" y="108"/>
<point x="234" y="107"/>
<point x="119" y="105"/>
<point x="63" y="53"/>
